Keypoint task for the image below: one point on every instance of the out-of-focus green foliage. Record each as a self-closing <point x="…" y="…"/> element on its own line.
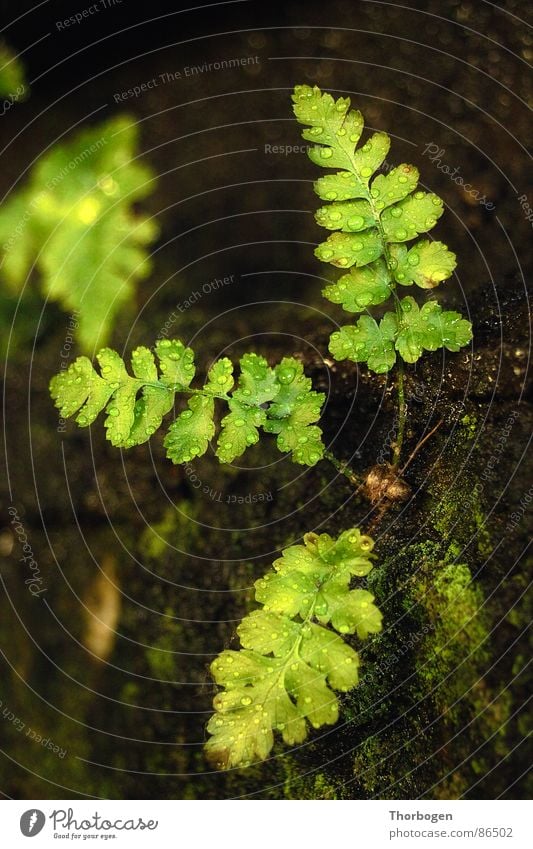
<point x="74" y="222"/>
<point x="13" y="86"/>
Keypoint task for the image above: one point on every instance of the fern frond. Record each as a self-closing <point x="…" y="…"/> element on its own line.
<point x="75" y="221"/>
<point x="372" y="215"/>
<point x="284" y="676"/>
<point x="279" y="400"/>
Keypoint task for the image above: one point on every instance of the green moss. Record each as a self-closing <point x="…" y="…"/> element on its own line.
<point x="175" y="522"/>
<point x="470" y="425"/>
<point x="314" y="786"/>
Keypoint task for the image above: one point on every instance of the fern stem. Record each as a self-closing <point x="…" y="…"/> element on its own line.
<point x="402" y="415"/>
<point x="343" y="468"/>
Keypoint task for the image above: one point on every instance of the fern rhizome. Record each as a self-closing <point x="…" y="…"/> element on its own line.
<point x="293" y="656"/>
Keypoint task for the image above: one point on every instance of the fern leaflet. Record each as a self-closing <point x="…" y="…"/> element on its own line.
<point x="291" y="662"/>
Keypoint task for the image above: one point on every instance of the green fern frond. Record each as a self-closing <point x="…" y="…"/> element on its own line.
<point x="279" y="400"/>
<point x="372" y="216"/>
<point x="75" y="221"/>
<point x="284" y="676"/>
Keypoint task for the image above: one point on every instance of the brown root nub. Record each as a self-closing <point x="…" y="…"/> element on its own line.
<point x="384" y="482"/>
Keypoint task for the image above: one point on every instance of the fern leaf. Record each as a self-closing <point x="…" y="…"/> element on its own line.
<point x="240" y="430"/>
<point x="75" y="220"/>
<point x="429" y="328"/>
<point x="293" y="412"/>
<point x="427" y="264"/>
<point x="220" y="377"/>
<point x="388" y="189"/>
<point x="361" y="287"/>
<point x="372" y="215"/>
<point x="257" y="381"/>
<point x="176" y="363"/>
<point x="366" y="342"/>
<point x="347" y="249"/>
<point x="188" y="437"/>
<point x="280" y="400"/>
<point x="416" y="214"/>
<point x="284" y="676"/>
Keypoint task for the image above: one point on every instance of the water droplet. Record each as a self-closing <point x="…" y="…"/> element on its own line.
<point x="113" y="411"/>
<point x="396" y="212"/>
<point x="341" y="132"/>
<point x="402" y="179"/>
<point x="356" y="222"/>
<point x="246" y="700"/>
<point x="419" y="195"/>
<point x="331" y="195"/>
<point x="335" y="216"/>
<point x="413" y="258"/>
<point x="366" y="171"/>
<point x="187" y="414"/>
<point x="286" y="374"/>
<point x="400" y="234"/>
<point x="326" y="153"/>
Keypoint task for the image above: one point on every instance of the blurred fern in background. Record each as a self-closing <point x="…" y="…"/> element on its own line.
<point x="75" y="224"/>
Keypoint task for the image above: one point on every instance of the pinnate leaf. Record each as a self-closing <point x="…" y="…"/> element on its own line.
<point x="188" y="437"/>
<point x="390" y="188"/>
<point x="367" y="341"/>
<point x="280" y="400"/>
<point x="361" y="287"/>
<point x="427" y="264"/>
<point x="240" y="430"/>
<point x="350" y="216"/>
<point x="418" y="213"/>
<point x="285" y="675"/>
<point x="347" y="249"/>
<point x="429" y="328"/>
